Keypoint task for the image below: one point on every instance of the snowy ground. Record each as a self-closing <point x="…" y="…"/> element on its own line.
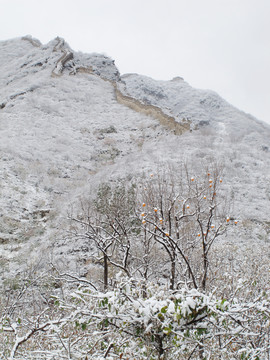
<point x="60" y="136"/>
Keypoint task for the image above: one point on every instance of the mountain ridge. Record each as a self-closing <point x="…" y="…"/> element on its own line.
<point x="64" y="130"/>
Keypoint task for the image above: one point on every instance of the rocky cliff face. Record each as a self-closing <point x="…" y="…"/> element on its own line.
<point x="69" y="121"/>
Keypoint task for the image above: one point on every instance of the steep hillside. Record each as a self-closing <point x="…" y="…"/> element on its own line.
<point x="69" y="121"/>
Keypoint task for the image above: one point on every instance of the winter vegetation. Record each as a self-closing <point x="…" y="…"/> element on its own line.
<point x="134" y="214"/>
<point x="159" y="284"/>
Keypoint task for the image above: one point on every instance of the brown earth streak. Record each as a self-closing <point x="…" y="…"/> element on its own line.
<point x="85" y="70"/>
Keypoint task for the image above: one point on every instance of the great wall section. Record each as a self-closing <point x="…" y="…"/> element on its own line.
<point x="155" y="112"/>
<point x="165" y="120"/>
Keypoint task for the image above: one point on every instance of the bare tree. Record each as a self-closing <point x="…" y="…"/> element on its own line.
<point x="185" y="214"/>
<point x="171" y="215"/>
<point x="108" y="223"/>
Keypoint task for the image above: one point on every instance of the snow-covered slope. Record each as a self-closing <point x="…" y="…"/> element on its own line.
<point x="69" y="121"/>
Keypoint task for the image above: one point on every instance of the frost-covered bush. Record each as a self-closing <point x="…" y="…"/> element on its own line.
<point x="130" y="322"/>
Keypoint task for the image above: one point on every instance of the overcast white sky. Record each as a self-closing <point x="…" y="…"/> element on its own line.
<point x="222" y="45"/>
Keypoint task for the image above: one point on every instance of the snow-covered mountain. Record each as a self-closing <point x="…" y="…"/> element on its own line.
<point x="69" y="121"/>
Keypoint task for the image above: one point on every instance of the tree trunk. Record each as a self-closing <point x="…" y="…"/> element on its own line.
<point x="205" y="265"/>
<point x="105" y="259"/>
<point x="172" y="279"/>
<point x="160" y="347"/>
